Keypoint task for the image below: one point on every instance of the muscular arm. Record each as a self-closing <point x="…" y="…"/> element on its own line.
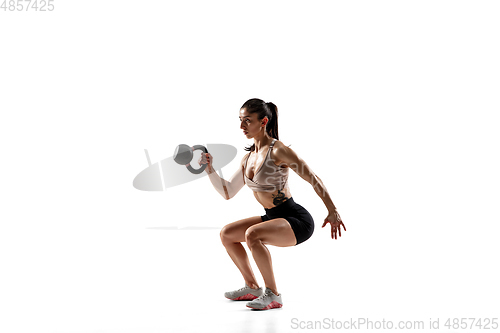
<point x="298" y="165"/>
<point x="228" y="189"/>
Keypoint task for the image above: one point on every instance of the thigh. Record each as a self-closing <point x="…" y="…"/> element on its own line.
<point x="277" y="232"/>
<point x="236" y="231"/>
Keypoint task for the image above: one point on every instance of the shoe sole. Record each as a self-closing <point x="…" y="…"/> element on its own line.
<point x="247" y="297"/>
<point x="272" y="305"/>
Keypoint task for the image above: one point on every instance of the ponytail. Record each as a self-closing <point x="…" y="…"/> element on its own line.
<point x="272" y="125"/>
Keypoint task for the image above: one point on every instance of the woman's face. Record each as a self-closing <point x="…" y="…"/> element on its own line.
<point x="250" y="124"/>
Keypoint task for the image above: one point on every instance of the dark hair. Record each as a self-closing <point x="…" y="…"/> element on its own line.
<point x="263" y="109"/>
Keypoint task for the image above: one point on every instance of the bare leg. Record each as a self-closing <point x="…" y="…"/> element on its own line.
<point x="275" y="232"/>
<point x="231" y="236"/>
<point x="263" y="260"/>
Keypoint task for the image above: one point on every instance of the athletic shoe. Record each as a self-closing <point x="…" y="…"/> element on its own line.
<point x="244" y="294"/>
<point x="267" y="301"/>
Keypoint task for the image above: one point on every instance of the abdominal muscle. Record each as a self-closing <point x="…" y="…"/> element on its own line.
<point x="272" y="199"/>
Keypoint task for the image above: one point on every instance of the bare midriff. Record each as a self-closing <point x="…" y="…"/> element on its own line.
<point x="267" y="199"/>
<point x="272" y="199"/>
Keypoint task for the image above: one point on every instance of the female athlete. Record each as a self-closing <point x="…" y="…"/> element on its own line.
<point x="286" y="223"/>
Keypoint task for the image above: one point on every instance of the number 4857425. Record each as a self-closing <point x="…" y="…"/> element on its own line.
<point x="27" y="5"/>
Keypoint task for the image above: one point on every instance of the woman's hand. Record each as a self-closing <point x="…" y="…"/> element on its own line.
<point x="334" y="219"/>
<point x="206" y="158"/>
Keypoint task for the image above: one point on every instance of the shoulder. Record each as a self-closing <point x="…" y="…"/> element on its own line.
<point x="244" y="159"/>
<point x="278" y="144"/>
<point x="281" y="152"/>
<point x="280" y="148"/>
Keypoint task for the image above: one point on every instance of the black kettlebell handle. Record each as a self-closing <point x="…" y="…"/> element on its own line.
<point x="202" y="168"/>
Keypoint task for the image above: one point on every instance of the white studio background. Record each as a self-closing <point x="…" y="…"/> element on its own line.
<point x="392" y="103"/>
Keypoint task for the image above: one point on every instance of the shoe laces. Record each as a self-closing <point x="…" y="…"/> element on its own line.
<point x="264" y="295"/>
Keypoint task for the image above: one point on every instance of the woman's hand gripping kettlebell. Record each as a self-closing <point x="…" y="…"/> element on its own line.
<point x="206" y="158"/>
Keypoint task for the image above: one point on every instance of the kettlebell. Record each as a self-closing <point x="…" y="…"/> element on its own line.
<point x="184" y="154"/>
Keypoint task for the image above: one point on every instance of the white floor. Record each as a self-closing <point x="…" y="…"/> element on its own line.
<point x="162" y="280"/>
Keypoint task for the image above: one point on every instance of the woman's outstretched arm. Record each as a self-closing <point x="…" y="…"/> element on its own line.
<point x="297" y="164"/>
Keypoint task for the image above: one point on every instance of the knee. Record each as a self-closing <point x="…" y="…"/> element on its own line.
<point x="251" y="237"/>
<point x="225" y="235"/>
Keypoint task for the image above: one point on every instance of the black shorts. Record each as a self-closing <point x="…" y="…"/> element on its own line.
<point x="299" y="218"/>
